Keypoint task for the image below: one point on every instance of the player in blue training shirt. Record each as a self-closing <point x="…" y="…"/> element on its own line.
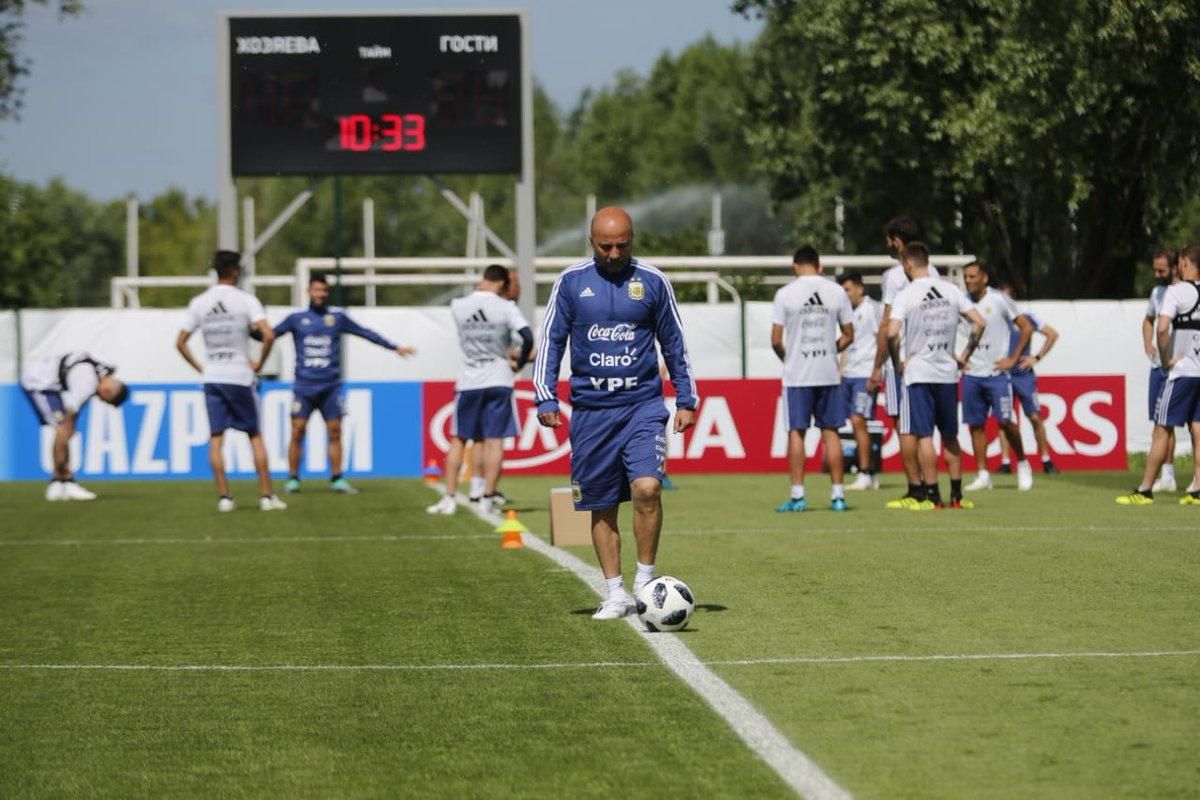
<point x="317" y="332"/>
<point x="612" y="309"/>
<point x="1024" y="385"/>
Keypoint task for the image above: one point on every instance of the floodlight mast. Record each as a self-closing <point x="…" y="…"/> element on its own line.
<point x="526" y="224"/>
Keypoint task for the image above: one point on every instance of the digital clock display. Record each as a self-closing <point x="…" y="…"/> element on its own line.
<point x="325" y="95"/>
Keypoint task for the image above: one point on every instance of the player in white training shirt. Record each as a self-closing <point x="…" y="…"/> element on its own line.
<point x="811" y="322"/>
<point x="1166" y="272"/>
<point x="921" y="339"/>
<point x="484" y="411"/>
<point x="225" y="315"/>
<point x="1178" y="336"/>
<point x="898" y="233"/>
<point x="857" y="363"/>
<point x="986" y="385"/>
<point x="59" y="387"/>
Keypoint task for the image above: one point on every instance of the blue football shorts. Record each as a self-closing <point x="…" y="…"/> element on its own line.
<point x="859" y="402"/>
<point x="983" y="395"/>
<point x="48" y="406"/>
<point x="326" y="399"/>
<point x="1180" y="402"/>
<point x="1024" y="387"/>
<point x="610" y="447"/>
<point x="480" y="414"/>
<point x="231" y="406"/>
<point x="925" y="406"/>
<point x="1158" y="379"/>
<point x="802" y="405"/>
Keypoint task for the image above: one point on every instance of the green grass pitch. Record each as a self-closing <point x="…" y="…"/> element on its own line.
<point x="439" y="665"/>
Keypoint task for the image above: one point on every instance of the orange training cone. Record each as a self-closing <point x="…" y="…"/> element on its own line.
<point x="433" y="472"/>
<point x="512" y="530"/>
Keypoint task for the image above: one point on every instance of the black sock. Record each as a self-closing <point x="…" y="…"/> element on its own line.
<point x="956" y="489"/>
<point x="932" y="492"/>
<point x="293" y="477"/>
<point x="336" y="477"/>
<point x="916" y="490"/>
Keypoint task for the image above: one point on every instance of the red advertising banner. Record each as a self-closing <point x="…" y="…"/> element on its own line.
<point x="739" y="428"/>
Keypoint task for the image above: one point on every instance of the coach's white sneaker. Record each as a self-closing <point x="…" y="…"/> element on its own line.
<point x="1024" y="476"/>
<point x="862" y="483"/>
<point x="1164" y="484"/>
<point x="982" y="481"/>
<point x="271" y="503"/>
<point x="54" y="491"/>
<point x="73" y="491"/>
<point x="614" y="608"/>
<point x="444" y="506"/>
<point x="485" y="505"/>
<point x="226" y="504"/>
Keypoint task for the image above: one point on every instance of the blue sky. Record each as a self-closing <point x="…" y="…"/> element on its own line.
<point x="121" y="99"/>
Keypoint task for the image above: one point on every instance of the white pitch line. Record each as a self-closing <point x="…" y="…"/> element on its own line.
<point x="751" y="662"/>
<point x="796" y="769"/>
<point x="245" y="540"/>
<point x="973" y="529"/>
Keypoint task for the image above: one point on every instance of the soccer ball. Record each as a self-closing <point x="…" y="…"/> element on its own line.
<point x="665" y="604"/>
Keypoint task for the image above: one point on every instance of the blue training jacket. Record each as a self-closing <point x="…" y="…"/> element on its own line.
<point x="612" y="322"/>
<point x="318" y="337"/>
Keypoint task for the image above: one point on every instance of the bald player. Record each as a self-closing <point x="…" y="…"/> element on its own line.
<point x="610" y="311"/>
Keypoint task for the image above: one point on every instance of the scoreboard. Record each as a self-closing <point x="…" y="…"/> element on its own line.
<point x="375" y="94"/>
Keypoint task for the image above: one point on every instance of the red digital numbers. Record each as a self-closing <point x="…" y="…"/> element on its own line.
<point x="360" y="132"/>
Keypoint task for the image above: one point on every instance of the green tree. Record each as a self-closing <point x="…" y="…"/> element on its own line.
<point x="12" y="66"/>
<point x="1063" y="131"/>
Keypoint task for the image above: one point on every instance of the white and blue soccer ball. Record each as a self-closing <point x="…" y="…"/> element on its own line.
<point x="665" y="604"/>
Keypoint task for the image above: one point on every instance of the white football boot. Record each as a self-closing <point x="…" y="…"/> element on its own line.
<point x="614" y="608"/>
<point x="445" y="506"/>
<point x="1164" y="484"/>
<point x="226" y="504"/>
<point x="73" y="491"/>
<point x="982" y="481"/>
<point x="1024" y="476"/>
<point x="54" y="491"/>
<point x="862" y="483"/>
<point x="271" y="503"/>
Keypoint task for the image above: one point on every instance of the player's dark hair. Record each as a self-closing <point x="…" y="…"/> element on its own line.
<point x="318" y="277"/>
<point x="917" y="253"/>
<point x="979" y="265"/>
<point x="905" y="229"/>
<point x="851" y="276"/>
<point x="225" y="262"/>
<point x="496" y="272"/>
<point x="1170" y="255"/>
<point x="121" y="396"/>
<point x="807" y="254"/>
<point x="1191" y="253"/>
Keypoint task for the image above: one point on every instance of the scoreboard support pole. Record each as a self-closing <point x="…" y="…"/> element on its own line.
<point x="526" y="206"/>
<point x="227" y="234"/>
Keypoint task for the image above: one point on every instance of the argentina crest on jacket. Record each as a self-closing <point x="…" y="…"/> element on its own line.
<point x="637" y="289"/>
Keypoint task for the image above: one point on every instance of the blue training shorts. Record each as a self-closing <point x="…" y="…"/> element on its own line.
<point x="326" y="399"/>
<point x="610" y="447"/>
<point x="826" y="405"/>
<point x="1180" y="402"/>
<point x="231" y="406"/>
<point x="1024" y="387"/>
<point x="484" y="414"/>
<point x="48" y="406"/>
<point x="925" y="406"/>
<point x="981" y="395"/>
<point x="1158" y="379"/>
<point x="859" y="402"/>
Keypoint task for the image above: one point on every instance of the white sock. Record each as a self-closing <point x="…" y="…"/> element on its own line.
<point x="1168" y="472"/>
<point x="839" y="491"/>
<point x="983" y="473"/>
<point x="797" y="491"/>
<point x="477" y="486"/>
<point x="645" y="574"/>
<point x="615" y="587"/>
<point x="1005" y="460"/>
<point x="1023" y="466"/>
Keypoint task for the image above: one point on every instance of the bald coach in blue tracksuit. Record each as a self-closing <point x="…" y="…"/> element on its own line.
<point x="613" y="308"/>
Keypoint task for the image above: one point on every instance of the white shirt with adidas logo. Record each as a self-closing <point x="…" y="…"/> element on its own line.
<point x="929" y="309"/>
<point x="224" y="314"/>
<point x="811" y="311"/>
<point x="486" y="323"/>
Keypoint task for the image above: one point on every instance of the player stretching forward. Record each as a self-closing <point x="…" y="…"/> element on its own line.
<point x="226" y="315"/>
<point x="613" y="308"/>
<point x="317" y="332"/>
<point x="858" y="360"/>
<point x="484" y="411"/>
<point x="1178" y="335"/>
<point x="986" y="386"/>
<point x="1024" y="384"/>
<point x="810" y="311"/>
<point x="921" y="338"/>
<point x="58" y="388"/>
